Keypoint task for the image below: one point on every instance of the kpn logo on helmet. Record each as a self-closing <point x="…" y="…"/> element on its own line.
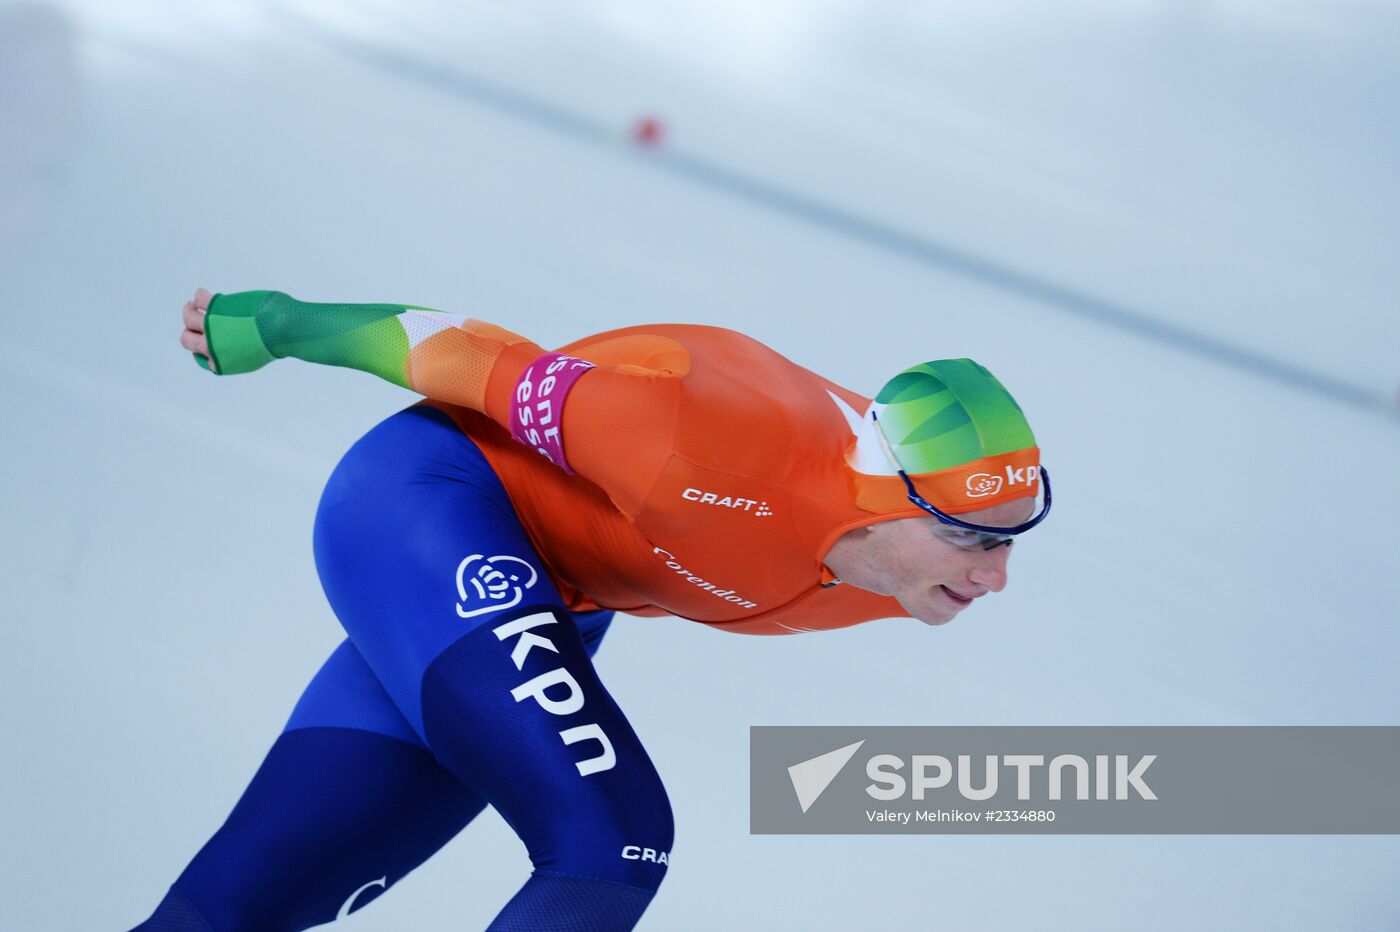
<point x="986" y="484"/>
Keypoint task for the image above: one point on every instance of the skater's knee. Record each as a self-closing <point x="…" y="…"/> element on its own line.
<point x="195" y="906"/>
<point x="628" y="841"/>
<point x="176" y="913"/>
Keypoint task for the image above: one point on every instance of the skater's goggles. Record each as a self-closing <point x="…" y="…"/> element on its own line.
<point x="965" y="534"/>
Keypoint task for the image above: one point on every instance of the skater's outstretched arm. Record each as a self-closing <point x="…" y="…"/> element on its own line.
<point x="402" y="343"/>
<point x="465" y="362"/>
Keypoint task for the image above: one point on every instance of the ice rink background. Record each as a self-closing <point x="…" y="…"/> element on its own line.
<point x="1221" y="551"/>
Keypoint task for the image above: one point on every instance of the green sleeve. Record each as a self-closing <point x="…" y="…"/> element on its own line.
<point x="248" y="330"/>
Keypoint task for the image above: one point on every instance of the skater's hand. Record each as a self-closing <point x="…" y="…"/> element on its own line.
<point x="193" y="338"/>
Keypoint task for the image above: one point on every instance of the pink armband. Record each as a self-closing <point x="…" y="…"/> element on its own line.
<point x="537" y="410"/>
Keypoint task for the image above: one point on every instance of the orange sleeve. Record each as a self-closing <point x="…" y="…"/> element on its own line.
<point x="617" y="421"/>
<point x="457" y="364"/>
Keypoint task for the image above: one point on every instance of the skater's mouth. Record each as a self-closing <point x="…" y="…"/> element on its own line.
<point x="959" y="599"/>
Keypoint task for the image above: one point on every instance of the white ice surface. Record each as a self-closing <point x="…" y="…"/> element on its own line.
<point x="1223" y="546"/>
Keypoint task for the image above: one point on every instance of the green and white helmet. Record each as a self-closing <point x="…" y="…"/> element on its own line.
<point x="956" y="430"/>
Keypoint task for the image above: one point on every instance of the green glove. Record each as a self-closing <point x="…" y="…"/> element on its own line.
<point x="231" y="327"/>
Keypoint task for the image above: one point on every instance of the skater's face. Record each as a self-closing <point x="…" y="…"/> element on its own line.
<point x="932" y="578"/>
